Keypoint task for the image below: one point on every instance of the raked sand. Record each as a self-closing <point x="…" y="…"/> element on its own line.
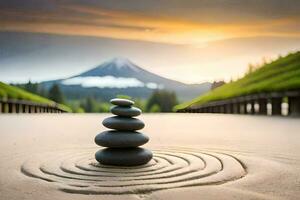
<point x="196" y="156"/>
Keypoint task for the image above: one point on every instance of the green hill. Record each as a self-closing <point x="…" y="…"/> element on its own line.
<point x="12" y="92"/>
<point x="279" y="75"/>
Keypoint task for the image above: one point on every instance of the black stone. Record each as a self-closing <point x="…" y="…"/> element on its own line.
<point x="123" y="123"/>
<point x="123" y="157"/>
<point x="122" y="102"/>
<point x="121" y="139"/>
<point x="123" y="142"/>
<point x="125" y="111"/>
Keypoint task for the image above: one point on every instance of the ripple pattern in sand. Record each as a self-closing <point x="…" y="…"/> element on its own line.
<point x="76" y="171"/>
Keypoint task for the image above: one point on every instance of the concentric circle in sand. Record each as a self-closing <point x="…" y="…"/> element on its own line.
<point x="76" y="171"/>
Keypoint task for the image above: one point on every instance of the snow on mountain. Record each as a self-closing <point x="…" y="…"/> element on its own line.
<point x="122" y="63"/>
<point x="118" y="67"/>
<point x="109" y="82"/>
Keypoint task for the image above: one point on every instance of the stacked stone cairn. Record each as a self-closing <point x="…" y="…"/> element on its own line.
<point x="123" y="142"/>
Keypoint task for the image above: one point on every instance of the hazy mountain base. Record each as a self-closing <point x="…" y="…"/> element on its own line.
<point x="159" y="101"/>
<point x="118" y="71"/>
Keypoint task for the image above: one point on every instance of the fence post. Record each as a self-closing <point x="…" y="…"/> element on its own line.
<point x="294" y="106"/>
<point x="5" y="108"/>
<point x="20" y="108"/>
<point x="229" y="108"/>
<point x="215" y="109"/>
<point x="26" y="108"/>
<point x="32" y="109"/>
<point x="222" y="108"/>
<point x="243" y="106"/>
<point x="276" y="106"/>
<point x="9" y="107"/>
<point x="13" y="108"/>
<point x="235" y="106"/>
<point x="262" y="106"/>
<point x="252" y="110"/>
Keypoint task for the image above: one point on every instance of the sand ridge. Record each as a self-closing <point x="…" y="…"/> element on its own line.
<point x="77" y="172"/>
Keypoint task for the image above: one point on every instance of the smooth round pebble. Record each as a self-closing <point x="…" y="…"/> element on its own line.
<point x="123" y="157"/>
<point x="125" y="111"/>
<point x="121" y="102"/>
<point x="121" y="139"/>
<point x="123" y="123"/>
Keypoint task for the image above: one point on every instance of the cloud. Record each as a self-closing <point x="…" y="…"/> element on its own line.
<point x="108" y="82"/>
<point x="191" y="22"/>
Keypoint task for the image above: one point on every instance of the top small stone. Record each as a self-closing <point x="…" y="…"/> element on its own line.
<point x="121" y="102"/>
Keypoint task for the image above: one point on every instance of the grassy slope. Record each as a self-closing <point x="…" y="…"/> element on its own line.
<point x="11" y="92"/>
<point x="281" y="74"/>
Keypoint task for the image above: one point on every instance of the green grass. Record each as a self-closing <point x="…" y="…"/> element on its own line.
<point x="279" y="75"/>
<point x="12" y="92"/>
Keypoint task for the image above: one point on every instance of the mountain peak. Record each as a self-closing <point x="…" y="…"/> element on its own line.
<point x="120" y="63"/>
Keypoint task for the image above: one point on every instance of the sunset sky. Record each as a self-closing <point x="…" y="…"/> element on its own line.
<point x="190" y="41"/>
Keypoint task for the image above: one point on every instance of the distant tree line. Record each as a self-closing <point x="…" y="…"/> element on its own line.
<point x="35" y="88"/>
<point x="216" y="84"/>
<point x="54" y="93"/>
<point x="159" y="101"/>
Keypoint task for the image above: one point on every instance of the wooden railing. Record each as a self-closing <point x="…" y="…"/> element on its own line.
<point x="21" y="106"/>
<point x="248" y="104"/>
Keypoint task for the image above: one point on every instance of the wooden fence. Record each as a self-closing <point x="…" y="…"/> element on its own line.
<point x="252" y="104"/>
<point x="21" y="106"/>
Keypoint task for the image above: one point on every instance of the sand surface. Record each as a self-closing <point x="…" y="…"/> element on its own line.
<point x="196" y="156"/>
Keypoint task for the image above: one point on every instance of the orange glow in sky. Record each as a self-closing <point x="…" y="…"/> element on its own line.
<point x="214" y="36"/>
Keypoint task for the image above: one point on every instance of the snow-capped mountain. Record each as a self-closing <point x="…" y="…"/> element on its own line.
<point x="116" y="73"/>
<point x="121" y="76"/>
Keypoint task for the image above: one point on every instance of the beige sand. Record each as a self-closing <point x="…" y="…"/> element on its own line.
<point x="196" y="156"/>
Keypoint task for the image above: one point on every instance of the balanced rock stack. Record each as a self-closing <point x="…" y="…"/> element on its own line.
<point x="123" y="142"/>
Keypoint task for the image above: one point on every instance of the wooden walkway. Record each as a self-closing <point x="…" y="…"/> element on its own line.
<point x="251" y="104"/>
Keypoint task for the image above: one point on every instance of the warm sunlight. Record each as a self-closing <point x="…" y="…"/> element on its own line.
<point x="149" y="99"/>
<point x="230" y="36"/>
